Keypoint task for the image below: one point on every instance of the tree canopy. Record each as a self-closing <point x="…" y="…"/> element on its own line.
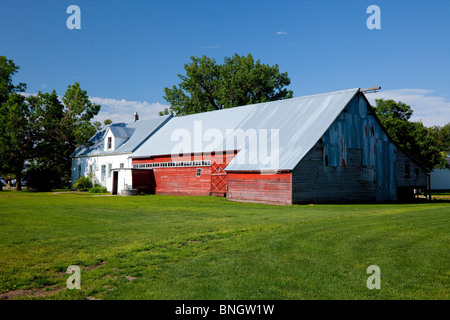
<point x="16" y="134"/>
<point x="412" y="136"/>
<point x="209" y="86"/>
<point x="443" y="137"/>
<point x="7" y="70"/>
<point x="41" y="130"/>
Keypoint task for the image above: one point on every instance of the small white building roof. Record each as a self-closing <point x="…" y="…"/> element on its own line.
<point x="135" y="133"/>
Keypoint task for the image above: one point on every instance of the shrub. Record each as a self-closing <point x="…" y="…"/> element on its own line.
<point x="98" y="190"/>
<point x="42" y="179"/>
<point x="83" y="184"/>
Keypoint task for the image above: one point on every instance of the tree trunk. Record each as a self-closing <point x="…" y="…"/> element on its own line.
<point x="19" y="181"/>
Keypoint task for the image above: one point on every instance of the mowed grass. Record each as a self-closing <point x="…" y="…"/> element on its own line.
<point x="165" y="247"/>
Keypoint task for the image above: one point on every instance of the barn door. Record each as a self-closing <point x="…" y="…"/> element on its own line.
<point x="218" y="179"/>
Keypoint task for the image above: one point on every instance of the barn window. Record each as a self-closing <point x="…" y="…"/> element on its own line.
<point x="109" y="170"/>
<point x="416" y="171"/>
<point x="79" y="172"/>
<point x="407" y="170"/>
<point x="109" y="143"/>
<point x="333" y="156"/>
<point x="90" y="168"/>
<point x="368" y="174"/>
<point x="199" y="172"/>
<point x="121" y="166"/>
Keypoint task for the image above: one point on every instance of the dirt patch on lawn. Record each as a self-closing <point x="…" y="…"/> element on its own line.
<point x="95" y="266"/>
<point x="30" y="293"/>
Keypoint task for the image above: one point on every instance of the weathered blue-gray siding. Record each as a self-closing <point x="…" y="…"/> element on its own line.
<point x="354" y="160"/>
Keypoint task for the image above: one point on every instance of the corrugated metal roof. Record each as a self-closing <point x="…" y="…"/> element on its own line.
<point x="300" y="123"/>
<point x="121" y="132"/>
<point x="164" y="142"/>
<point x="136" y="132"/>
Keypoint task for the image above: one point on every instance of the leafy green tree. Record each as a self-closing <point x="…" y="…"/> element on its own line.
<point x="64" y="127"/>
<point x="16" y="105"/>
<point x="79" y="111"/>
<point x="209" y="86"/>
<point x="99" y="126"/>
<point x="48" y="162"/>
<point x="76" y="125"/>
<point x="41" y="130"/>
<point x="17" y="121"/>
<point x="421" y="142"/>
<point x="61" y="127"/>
<point x="7" y="70"/>
<point x="444" y="138"/>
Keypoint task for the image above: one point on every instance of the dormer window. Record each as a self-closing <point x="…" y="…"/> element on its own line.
<point x="116" y="136"/>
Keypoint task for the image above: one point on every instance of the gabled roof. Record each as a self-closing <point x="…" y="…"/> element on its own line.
<point x="120" y="132"/>
<point x="136" y="133"/>
<point x="301" y="122"/>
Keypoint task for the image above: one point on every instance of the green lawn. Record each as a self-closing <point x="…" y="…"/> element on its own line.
<point x="163" y="247"/>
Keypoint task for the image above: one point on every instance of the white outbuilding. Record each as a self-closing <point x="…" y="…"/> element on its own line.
<point x="440" y="178"/>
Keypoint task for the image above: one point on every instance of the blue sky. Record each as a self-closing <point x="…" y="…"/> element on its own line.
<point x="127" y="52"/>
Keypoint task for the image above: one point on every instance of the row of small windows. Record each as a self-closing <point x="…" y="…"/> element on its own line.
<point x="172" y="164"/>
<point x="103" y="169"/>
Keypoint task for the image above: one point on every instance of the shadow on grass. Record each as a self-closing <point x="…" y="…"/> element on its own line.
<point x="437" y="199"/>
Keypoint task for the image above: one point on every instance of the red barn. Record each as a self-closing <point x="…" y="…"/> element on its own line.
<point x="321" y="148"/>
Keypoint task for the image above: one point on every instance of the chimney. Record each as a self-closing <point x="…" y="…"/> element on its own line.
<point x="136" y="117"/>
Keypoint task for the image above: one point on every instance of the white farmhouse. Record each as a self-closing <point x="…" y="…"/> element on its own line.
<point x="108" y="156"/>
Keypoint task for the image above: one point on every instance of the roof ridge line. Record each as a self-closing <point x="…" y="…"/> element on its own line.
<point x="281" y="100"/>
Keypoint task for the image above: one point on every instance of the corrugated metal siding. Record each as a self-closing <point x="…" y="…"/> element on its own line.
<point x="357" y="161"/>
<point x="314" y="182"/>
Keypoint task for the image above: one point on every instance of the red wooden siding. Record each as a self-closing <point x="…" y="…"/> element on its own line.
<point x="260" y="188"/>
<point x="184" y="180"/>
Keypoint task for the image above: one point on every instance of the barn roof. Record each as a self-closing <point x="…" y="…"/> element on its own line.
<point x="300" y="123"/>
<point x="136" y="133"/>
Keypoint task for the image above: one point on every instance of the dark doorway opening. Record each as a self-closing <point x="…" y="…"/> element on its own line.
<point x="115" y="182"/>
